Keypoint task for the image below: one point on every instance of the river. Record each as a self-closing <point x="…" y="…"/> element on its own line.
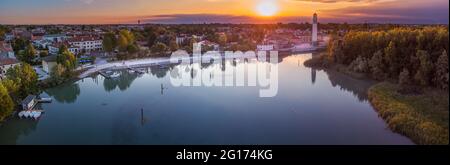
<point x="311" y="107"/>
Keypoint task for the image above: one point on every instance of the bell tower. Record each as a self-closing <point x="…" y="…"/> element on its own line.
<point x="314" y="29"/>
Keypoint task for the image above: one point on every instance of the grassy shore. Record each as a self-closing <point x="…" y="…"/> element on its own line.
<point x="421" y="117"/>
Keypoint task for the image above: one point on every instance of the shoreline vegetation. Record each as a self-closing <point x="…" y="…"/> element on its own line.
<point x="423" y="117"/>
<point x="412" y="68"/>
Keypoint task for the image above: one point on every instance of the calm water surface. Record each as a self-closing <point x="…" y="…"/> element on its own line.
<point x="311" y="107"/>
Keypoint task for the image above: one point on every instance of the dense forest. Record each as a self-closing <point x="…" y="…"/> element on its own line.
<point x="411" y="56"/>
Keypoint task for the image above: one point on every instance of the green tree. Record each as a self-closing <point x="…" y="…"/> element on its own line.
<point x="442" y="76"/>
<point x="28" y="54"/>
<point x="62" y="49"/>
<point x="376" y="66"/>
<point x="12" y="87"/>
<point x="173" y="46"/>
<point x="126" y="38"/>
<point x="2" y="32"/>
<point x="122" y="43"/>
<point x="58" y="74"/>
<point x="392" y="58"/>
<point x="19" y="44"/>
<point x="6" y="103"/>
<point x="151" y="38"/>
<point x="109" y="42"/>
<point x="128" y="35"/>
<point x="132" y="49"/>
<point x="25" y="77"/>
<point x="404" y="78"/>
<point x="66" y="58"/>
<point x="423" y="73"/>
<point x="159" y="48"/>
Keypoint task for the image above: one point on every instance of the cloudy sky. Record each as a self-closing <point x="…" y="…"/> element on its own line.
<point x="221" y="11"/>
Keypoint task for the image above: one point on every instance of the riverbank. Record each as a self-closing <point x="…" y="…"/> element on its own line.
<point x="421" y="117"/>
<point x="146" y="62"/>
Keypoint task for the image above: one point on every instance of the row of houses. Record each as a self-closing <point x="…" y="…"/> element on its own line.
<point x="7" y="58"/>
<point x="77" y="42"/>
<point x="78" y="45"/>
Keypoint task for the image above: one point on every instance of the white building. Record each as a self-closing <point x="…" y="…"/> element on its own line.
<point x="55" y="37"/>
<point x="180" y="39"/>
<point x="54" y="48"/>
<point x="48" y="63"/>
<point x="9" y="37"/>
<point x="86" y="44"/>
<point x="265" y="47"/>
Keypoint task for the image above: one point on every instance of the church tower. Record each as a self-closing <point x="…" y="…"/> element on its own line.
<point x="314" y="29"/>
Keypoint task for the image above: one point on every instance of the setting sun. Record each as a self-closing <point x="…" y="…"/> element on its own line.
<point x="267" y="8"/>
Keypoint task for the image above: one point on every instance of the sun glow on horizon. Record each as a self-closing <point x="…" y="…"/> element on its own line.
<point x="267" y="8"/>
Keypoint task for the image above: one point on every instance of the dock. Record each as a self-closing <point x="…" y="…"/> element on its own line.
<point x="104" y="74"/>
<point x="136" y="70"/>
<point x="44" y="100"/>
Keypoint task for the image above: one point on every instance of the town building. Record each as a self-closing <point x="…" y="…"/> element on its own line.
<point x="54" y="48"/>
<point x="85" y="44"/>
<point x="6" y="64"/>
<point x="208" y="44"/>
<point x="55" y="37"/>
<point x="29" y="102"/>
<point x="48" y="63"/>
<point x="181" y="39"/>
<point x="6" y="50"/>
<point x="9" y="37"/>
<point x="314" y="29"/>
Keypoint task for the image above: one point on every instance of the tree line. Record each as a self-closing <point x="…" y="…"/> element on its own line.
<point x="412" y="56"/>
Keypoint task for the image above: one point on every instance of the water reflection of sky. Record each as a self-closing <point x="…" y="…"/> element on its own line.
<point x="311" y="107"/>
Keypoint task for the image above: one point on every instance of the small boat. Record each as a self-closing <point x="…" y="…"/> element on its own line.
<point x="45" y="100"/>
<point x="115" y="75"/>
<point x="27" y="114"/>
<point x="163" y="66"/>
<point x="21" y="114"/>
<point x="140" y="71"/>
<point x="36" y="115"/>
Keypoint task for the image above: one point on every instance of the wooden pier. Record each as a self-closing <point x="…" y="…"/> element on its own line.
<point x="136" y="70"/>
<point x="104" y="74"/>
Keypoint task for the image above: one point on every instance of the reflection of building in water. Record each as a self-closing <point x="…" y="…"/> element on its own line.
<point x="313" y="75"/>
<point x="67" y="93"/>
<point x="142" y="117"/>
<point x="161" y="72"/>
<point x="222" y="65"/>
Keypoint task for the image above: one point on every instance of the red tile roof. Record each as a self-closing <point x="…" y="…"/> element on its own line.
<point x="83" y="38"/>
<point x="8" y="61"/>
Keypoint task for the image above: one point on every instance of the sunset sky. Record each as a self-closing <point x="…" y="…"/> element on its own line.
<point x="221" y="11"/>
